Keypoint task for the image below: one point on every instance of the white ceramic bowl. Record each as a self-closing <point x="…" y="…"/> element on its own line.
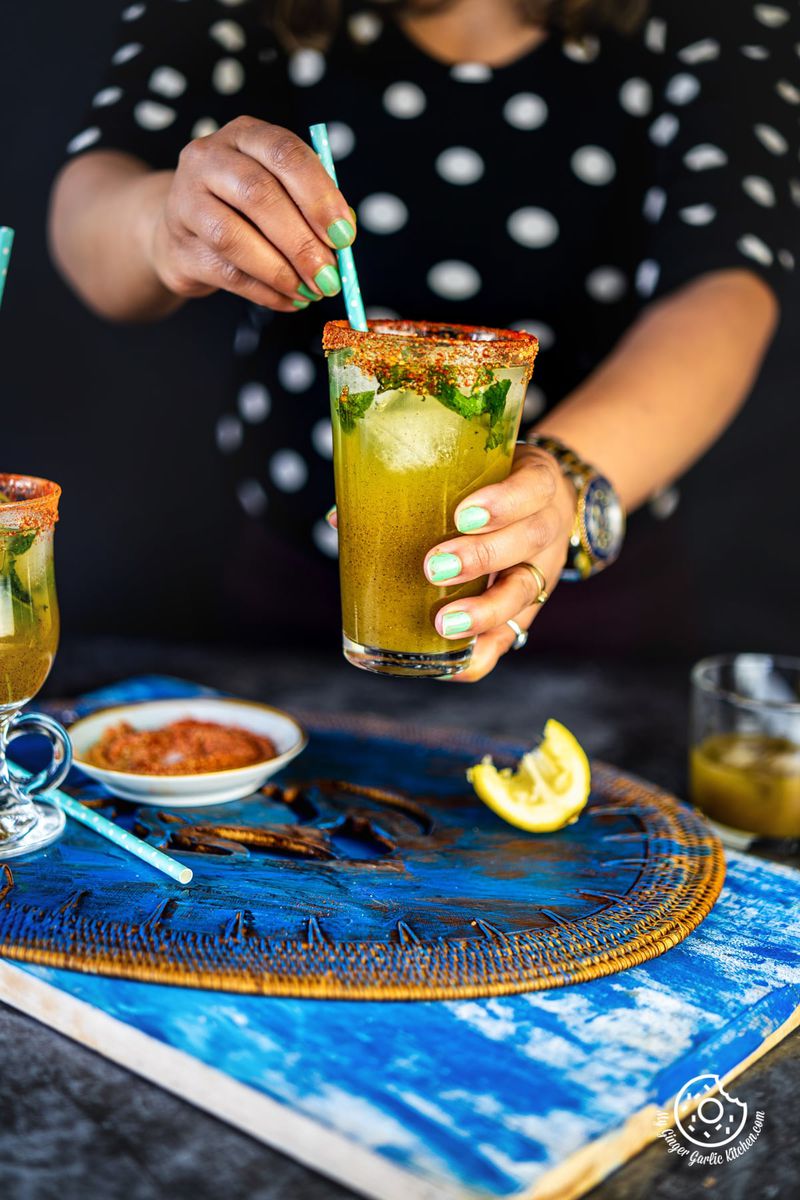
<point x="189" y="791"/>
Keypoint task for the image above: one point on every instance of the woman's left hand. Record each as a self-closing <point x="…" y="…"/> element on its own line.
<point x="526" y="519"/>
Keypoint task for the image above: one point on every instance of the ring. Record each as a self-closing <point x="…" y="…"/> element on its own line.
<point x="542" y="596"/>
<point x="521" y="635"/>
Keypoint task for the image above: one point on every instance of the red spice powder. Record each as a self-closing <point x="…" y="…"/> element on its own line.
<point x="424" y="345"/>
<point x="185" y="747"/>
<point x="30" y="503"/>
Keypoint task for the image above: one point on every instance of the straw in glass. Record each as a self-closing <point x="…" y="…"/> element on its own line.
<point x="113" y="833"/>
<point x="6" y="242"/>
<point x="347" y="267"/>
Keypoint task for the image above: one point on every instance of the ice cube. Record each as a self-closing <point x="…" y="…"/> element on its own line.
<point x="786" y="763"/>
<point x="740" y="755"/>
<point x="411" y="434"/>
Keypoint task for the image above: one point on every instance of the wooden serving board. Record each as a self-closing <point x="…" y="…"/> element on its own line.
<point x="539" y="1094"/>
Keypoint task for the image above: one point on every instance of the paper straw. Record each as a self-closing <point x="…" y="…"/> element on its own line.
<point x="347" y="267"/>
<point x="6" y="242"/>
<point x="113" y="833"/>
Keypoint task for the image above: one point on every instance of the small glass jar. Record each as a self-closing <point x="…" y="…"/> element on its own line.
<point x="744" y="757"/>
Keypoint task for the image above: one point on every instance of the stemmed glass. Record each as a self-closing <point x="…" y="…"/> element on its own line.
<point x="29" y="627"/>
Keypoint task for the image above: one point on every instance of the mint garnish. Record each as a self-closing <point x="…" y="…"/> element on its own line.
<point x="351" y="407"/>
<point x="21" y="543"/>
<point x="17" y="546"/>
<point x="489" y="400"/>
<point x="19" y="592"/>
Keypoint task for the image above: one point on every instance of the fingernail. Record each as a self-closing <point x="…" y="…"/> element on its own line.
<point x="306" y="291"/>
<point x="443" y="566"/>
<point x="301" y="303"/>
<point x="329" y="514"/>
<point x="328" y="281"/>
<point x="472" y="518"/>
<point x="455" y="622"/>
<point x="341" y="233"/>
<point x="354" y="215"/>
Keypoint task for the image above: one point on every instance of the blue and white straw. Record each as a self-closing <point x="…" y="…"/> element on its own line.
<point x="347" y="267"/>
<point x="6" y="242"/>
<point x="113" y="833"/>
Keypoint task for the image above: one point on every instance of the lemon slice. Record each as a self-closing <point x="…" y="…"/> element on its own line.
<point x="548" y="789"/>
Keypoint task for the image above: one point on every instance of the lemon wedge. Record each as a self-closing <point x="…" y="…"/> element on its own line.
<point x="547" y="791"/>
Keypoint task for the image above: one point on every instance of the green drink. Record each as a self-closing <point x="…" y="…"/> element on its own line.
<point x="422" y="415"/>
<point x="28" y="639"/>
<point x="29" y="624"/>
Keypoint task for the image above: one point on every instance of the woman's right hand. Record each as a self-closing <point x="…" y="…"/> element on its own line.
<point x="251" y="210"/>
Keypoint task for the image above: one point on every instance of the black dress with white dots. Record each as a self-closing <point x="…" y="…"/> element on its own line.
<point x="559" y="194"/>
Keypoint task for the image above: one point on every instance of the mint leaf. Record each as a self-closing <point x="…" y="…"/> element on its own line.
<point x="21" y="543"/>
<point x="495" y="438"/>
<point x="489" y="401"/>
<point x="351" y="407"/>
<point x="393" y="379"/>
<point x="494" y="399"/>
<point x="18" y="592"/>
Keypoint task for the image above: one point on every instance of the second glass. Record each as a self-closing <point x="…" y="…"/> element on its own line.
<point x="29" y="628"/>
<point x="423" y="415"/>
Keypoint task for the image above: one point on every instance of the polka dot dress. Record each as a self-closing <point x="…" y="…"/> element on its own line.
<point x="559" y="194"/>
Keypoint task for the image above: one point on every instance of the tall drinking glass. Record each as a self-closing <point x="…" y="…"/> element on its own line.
<point x="28" y="638"/>
<point x="422" y="415"/>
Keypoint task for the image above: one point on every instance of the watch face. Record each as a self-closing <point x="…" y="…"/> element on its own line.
<point x="603" y="520"/>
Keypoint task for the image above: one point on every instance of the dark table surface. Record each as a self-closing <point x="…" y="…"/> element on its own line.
<point x="76" y="1127"/>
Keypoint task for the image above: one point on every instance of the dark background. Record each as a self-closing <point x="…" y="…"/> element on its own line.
<point x="124" y="419"/>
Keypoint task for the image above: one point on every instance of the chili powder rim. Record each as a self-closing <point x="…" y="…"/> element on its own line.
<point x="389" y="340"/>
<point x="36" y="511"/>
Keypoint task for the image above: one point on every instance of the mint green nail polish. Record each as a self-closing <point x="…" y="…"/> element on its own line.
<point x="472" y="518"/>
<point x="341" y="233"/>
<point x="301" y="303"/>
<point x="443" y="566"/>
<point x="456" y="622"/>
<point x="306" y="291"/>
<point x="330" y="513"/>
<point x="328" y="281"/>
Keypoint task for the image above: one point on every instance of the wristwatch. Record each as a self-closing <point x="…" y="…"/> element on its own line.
<point x="599" y="529"/>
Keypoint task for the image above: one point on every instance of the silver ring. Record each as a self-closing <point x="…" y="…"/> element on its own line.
<point x="521" y="635"/>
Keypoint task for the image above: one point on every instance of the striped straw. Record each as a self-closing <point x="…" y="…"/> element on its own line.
<point x="347" y="267"/>
<point x="113" y="833"/>
<point x="6" y="242"/>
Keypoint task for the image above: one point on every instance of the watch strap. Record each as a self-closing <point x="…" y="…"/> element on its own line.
<point x="581" y="563"/>
<point x="575" y="468"/>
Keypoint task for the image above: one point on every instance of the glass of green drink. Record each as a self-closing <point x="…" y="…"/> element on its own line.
<point x="29" y="627"/>
<point x="422" y="416"/>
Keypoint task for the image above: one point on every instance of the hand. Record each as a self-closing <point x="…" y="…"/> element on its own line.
<point x="530" y="520"/>
<point x="251" y="209"/>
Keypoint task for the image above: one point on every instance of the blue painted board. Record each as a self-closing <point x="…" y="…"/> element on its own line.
<point x="484" y="1098"/>
<point x="478" y="1098"/>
